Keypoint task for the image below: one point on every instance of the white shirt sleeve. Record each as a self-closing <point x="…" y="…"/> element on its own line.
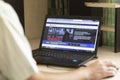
<point x="16" y="62"/>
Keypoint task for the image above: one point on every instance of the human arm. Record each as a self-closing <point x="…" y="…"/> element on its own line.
<point x="71" y="75"/>
<point x="16" y="62"/>
<point x="95" y="71"/>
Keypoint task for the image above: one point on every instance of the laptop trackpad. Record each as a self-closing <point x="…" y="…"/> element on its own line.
<point x="58" y="61"/>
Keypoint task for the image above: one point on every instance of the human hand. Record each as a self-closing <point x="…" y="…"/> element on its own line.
<point x="101" y="69"/>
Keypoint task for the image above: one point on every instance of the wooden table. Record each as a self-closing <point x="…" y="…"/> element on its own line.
<point x="103" y="53"/>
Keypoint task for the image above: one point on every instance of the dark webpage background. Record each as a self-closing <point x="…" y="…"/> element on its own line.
<point x="72" y="36"/>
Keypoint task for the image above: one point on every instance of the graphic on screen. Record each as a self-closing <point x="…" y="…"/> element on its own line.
<point x="70" y="34"/>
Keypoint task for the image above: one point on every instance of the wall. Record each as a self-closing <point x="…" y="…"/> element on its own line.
<point x="35" y="11"/>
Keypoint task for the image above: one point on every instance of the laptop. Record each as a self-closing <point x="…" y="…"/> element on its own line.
<point x="68" y="41"/>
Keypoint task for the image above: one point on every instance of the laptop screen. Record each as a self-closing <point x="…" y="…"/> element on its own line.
<point x="73" y="34"/>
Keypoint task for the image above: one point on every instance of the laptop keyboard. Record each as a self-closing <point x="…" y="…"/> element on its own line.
<point x="58" y="54"/>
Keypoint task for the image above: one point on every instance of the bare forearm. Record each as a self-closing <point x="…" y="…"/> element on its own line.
<point x="80" y="74"/>
<point x="71" y="75"/>
<point x="95" y="71"/>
